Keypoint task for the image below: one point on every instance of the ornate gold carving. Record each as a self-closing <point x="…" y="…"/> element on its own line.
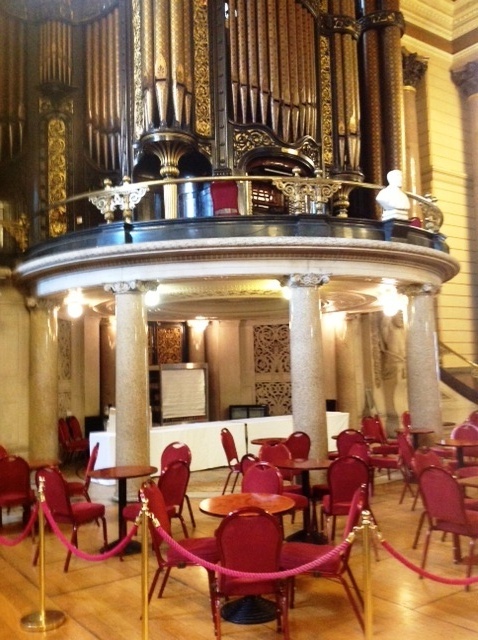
<point x="302" y="190"/>
<point x="308" y="279"/>
<point x="57" y="174"/>
<point x="326" y="101"/>
<point x="139" y="286"/>
<point x="18" y="230"/>
<point x="202" y="86"/>
<point x="272" y="367"/>
<point x="414" y="290"/>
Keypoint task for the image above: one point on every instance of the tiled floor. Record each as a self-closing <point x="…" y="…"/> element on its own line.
<point x="103" y="600"/>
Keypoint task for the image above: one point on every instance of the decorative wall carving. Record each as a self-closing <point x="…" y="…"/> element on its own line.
<point x="272" y="367"/>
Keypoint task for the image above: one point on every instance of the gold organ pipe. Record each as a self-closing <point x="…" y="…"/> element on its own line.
<point x="3" y="88"/>
<point x="188" y="61"/>
<point x="301" y="70"/>
<point x="89" y="88"/>
<point x="273" y="64"/>
<point x="313" y="77"/>
<point x="294" y="69"/>
<point x="11" y="75"/>
<point x="21" y="83"/>
<point x="147" y="63"/>
<point x="263" y="59"/>
<point x="162" y="69"/>
<point x="234" y="53"/>
<point x="96" y="86"/>
<point x="307" y="114"/>
<point x="284" y="68"/>
<point x="104" y="91"/>
<point x="177" y="59"/>
<point x="253" y="71"/>
<point x="243" y="55"/>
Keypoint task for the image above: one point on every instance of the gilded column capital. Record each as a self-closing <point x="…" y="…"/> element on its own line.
<point x="41" y="304"/>
<point x="308" y="280"/>
<point x="414" y="290"/>
<point x="414" y="68"/>
<point x="133" y="286"/>
<point x="466" y="79"/>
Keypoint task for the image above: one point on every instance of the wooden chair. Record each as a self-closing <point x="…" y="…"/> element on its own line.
<point x="250" y="540"/>
<point x="76" y="488"/>
<point x="15" y="490"/>
<point x="233" y="462"/>
<point x="297" y="554"/>
<point x="64" y="511"/>
<point x="445" y="509"/>
<point x="168" y="557"/>
<point x="178" y="451"/>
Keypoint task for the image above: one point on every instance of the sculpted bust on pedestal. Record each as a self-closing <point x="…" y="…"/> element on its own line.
<point x="392" y="199"/>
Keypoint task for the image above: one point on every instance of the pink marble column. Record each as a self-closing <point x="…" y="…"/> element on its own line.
<point x="43" y="421"/>
<point x="423" y="375"/>
<point x="306" y="360"/>
<point x="350" y="377"/>
<point x="132" y="380"/>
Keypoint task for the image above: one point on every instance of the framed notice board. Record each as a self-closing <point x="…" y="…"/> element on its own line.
<point x="183" y="392"/>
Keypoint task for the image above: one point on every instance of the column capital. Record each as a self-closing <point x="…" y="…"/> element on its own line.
<point x="308" y="279"/>
<point x="414" y="68"/>
<point x="414" y="290"/>
<point x="138" y="286"/>
<point x="41" y="304"/>
<point x="466" y="78"/>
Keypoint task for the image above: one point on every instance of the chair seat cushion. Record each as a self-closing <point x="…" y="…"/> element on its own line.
<point x="131" y="511"/>
<point x="86" y="511"/>
<point x="204" y="548"/>
<point x="296" y="554"/>
<point x="384" y="462"/>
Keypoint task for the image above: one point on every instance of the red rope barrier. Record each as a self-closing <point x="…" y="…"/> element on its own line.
<point x="116" y="550"/>
<point x="315" y="564"/>
<point x="12" y="542"/>
<point x="422" y="572"/>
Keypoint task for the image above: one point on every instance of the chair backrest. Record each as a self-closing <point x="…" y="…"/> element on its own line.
<point x="247" y="460"/>
<point x="423" y="458"/>
<point x="467" y="431"/>
<point x="442" y="496"/>
<point x="360" y="450"/>
<point x="75" y="428"/>
<point x="273" y="453"/>
<point x="344" y="476"/>
<point x="173" y="482"/>
<point x="262" y="477"/>
<point x="346" y="438"/>
<point x="91" y="464"/>
<point x="56" y="493"/>
<point x="3" y="452"/>
<point x="250" y="540"/>
<point x="406" y="420"/>
<point x="298" y="443"/>
<point x="372" y="430"/>
<point x="229" y="446"/>
<point x="156" y="505"/>
<point x="473" y="418"/>
<point x="359" y="502"/>
<point x="63" y="432"/>
<point x="14" y="476"/>
<point x="405" y="451"/>
<point x="175" y="451"/>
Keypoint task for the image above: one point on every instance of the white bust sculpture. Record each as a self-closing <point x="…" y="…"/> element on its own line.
<point x="392" y="199"/>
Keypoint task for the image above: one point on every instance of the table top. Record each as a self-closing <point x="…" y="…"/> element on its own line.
<point x="269" y="440"/>
<point x="470" y="481"/>
<point x="303" y="464"/>
<point x="221" y="506"/>
<point x="125" y="471"/>
<point x="42" y="463"/>
<point x="457" y="442"/>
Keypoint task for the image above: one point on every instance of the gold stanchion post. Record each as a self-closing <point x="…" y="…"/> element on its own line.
<point x="42" y="620"/>
<point x="367" y="575"/>
<point x="144" y="567"/>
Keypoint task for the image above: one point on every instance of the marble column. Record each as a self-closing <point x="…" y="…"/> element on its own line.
<point x="107" y="363"/>
<point x="196" y="340"/>
<point x="466" y="80"/>
<point x="350" y="378"/>
<point x="43" y="380"/>
<point x="132" y="381"/>
<point x="306" y="360"/>
<point x="423" y="375"/>
<point x="414" y="68"/>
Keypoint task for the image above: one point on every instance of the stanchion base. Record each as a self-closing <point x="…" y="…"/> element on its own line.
<point x="47" y="621"/>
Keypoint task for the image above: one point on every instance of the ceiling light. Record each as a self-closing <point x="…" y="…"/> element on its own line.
<point x="152" y="298"/>
<point x="74" y="302"/>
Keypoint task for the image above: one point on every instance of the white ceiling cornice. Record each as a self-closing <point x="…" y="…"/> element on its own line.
<point x="436" y="17"/>
<point x="465" y="17"/>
